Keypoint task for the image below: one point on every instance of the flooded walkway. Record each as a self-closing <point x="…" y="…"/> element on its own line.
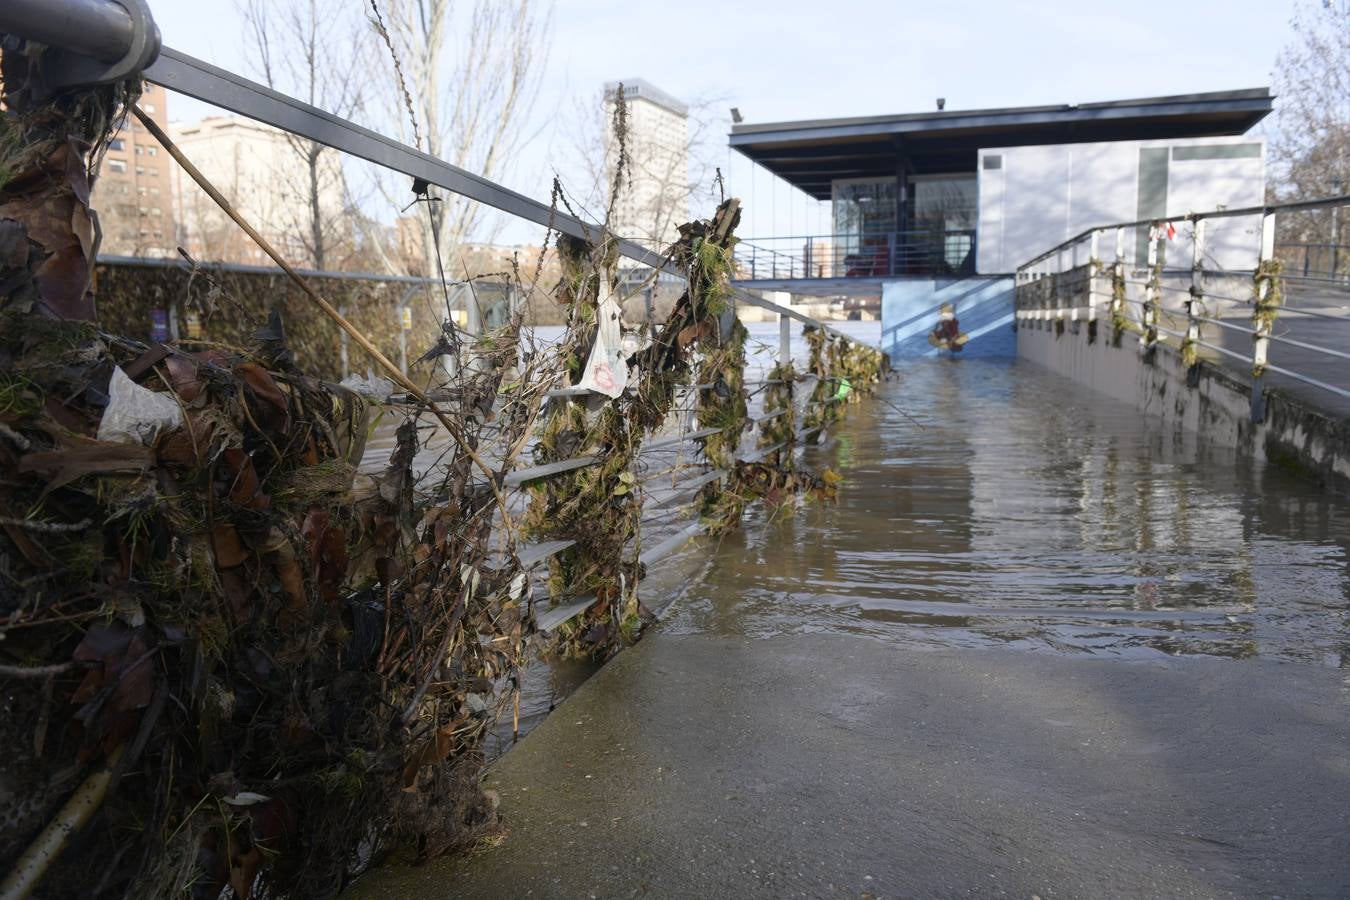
<point x="1041" y="647"/>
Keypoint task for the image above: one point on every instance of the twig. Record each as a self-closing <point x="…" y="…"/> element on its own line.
<point x="7" y="671"/>
<point x="328" y="309"/>
<point x="17" y="439"/>
<point x="46" y="527"/>
<point x="30" y="868"/>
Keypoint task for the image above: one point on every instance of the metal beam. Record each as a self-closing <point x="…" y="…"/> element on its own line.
<point x="186" y="75"/>
<point x="195" y="78"/>
<point x="170" y="263"/>
<point x="95" y="28"/>
<point x="521" y="476"/>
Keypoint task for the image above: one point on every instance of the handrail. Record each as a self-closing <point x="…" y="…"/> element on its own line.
<point x="1058" y="279"/>
<point x="1267" y="209"/>
<point x="185" y="74"/>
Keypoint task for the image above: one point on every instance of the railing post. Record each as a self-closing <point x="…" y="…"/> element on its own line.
<point x="784" y="339"/>
<point x="1195" y="302"/>
<point x="1093" y="284"/>
<point x="1263" y="316"/>
<point x="807" y="273"/>
<point x="1149" y="339"/>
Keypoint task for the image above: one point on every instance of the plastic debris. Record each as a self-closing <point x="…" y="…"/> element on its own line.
<point x="135" y="415"/>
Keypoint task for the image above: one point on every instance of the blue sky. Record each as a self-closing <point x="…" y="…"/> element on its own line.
<point x="797" y="60"/>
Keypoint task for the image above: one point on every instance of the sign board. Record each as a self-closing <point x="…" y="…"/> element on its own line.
<point x="159" y="325"/>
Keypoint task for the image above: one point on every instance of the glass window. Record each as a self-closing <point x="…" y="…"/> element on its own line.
<point x="116" y="165"/>
<point x="140" y="150"/>
<point x="116" y="144"/>
<point x="944" y="213"/>
<point x="863" y="206"/>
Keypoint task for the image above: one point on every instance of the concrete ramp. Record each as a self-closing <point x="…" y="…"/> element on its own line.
<point x="984" y="306"/>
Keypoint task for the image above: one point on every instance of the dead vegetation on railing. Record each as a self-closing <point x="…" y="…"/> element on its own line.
<point x="232" y="662"/>
<point x="600" y="506"/>
<point x="256" y="669"/>
<point x="780" y="400"/>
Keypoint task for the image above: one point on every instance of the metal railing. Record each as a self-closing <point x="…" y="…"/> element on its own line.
<point x="1329" y="261"/>
<point x="1214" y="284"/>
<point x="871" y="255"/>
<point x="186" y="75"/>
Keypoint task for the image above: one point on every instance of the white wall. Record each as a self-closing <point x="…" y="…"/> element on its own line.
<point x="1043" y="195"/>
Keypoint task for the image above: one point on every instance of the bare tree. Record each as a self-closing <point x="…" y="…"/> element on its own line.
<point x="317" y="51"/>
<point x="470" y="74"/>
<point x="668" y="175"/>
<point x="1310" y="151"/>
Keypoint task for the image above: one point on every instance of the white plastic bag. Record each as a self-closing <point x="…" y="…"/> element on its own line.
<point x="607" y="366"/>
<point x="134" y="414"/>
<point x="372" y="386"/>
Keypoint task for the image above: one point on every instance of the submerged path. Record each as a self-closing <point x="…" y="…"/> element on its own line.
<point x="1042" y="647"/>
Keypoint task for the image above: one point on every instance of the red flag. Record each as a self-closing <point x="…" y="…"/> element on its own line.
<point x="1171" y="231"/>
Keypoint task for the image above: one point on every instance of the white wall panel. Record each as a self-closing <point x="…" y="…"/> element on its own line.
<point x="1042" y="195"/>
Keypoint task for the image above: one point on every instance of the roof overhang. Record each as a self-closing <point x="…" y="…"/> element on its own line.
<point x="812" y="154"/>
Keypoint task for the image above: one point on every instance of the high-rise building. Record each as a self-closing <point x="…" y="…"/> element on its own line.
<point x="133" y="194"/>
<point x="655" y="202"/>
<point x="266" y="175"/>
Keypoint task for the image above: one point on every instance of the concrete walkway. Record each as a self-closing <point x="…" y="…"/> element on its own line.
<point x="821" y="765"/>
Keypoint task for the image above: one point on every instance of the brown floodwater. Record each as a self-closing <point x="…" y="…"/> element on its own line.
<point x="1027" y="512"/>
<point x="991" y="503"/>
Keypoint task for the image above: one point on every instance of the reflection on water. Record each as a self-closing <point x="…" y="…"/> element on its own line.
<point x="1032" y="514"/>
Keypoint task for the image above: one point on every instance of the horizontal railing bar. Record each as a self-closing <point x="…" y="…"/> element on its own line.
<point x="241" y="268"/>
<point x="1222" y="324"/>
<point x="1203" y="343"/>
<point x="762" y="452"/>
<point x="1299" y="311"/>
<point x="685" y="488"/>
<point x="198" y="79"/>
<point x="219" y="87"/>
<point x="682" y="439"/>
<point x="670" y="545"/>
<point x="530" y="554"/>
<point x="769" y="416"/>
<point x="1306" y="346"/>
<point x="1191" y="217"/>
<point x="550" y="619"/>
<point x="1306" y="380"/>
<point x="533" y="473"/>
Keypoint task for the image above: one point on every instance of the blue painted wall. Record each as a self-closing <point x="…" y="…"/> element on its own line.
<point x="984" y="306"/>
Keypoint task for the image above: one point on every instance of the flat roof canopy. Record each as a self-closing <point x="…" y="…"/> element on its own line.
<point x="811" y="154"/>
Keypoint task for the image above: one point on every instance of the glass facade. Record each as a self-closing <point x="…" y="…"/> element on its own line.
<point x="936" y="236"/>
<point x="944" y="212"/>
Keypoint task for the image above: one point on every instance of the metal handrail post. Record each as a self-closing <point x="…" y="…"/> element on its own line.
<point x="1093" y="283"/>
<point x="1195" y="301"/>
<point x="1152" y="291"/>
<point x="1262" y="323"/>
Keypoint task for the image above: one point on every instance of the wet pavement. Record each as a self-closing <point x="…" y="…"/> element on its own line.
<point x="1042" y="646"/>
